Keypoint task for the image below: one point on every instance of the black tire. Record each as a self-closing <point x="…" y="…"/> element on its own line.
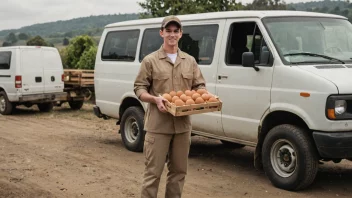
<point x="132" y="129"/>
<point x="45" y="107"/>
<point x="76" y="105"/>
<point x="293" y="143"/>
<point x="232" y="144"/>
<point x="6" y="106"/>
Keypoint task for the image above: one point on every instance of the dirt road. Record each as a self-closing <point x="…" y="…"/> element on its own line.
<point x="69" y="153"/>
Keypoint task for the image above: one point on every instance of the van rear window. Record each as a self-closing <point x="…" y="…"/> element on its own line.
<point x="197" y="40"/>
<point x="120" y="46"/>
<point x="5" y="60"/>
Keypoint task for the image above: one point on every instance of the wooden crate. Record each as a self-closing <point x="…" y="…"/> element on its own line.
<point x="193" y="109"/>
<point x="83" y="78"/>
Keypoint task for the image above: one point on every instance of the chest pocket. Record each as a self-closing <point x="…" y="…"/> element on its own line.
<point x="161" y="83"/>
<point x="186" y="80"/>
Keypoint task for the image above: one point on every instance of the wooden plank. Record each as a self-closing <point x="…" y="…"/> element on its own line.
<point x="87" y="75"/>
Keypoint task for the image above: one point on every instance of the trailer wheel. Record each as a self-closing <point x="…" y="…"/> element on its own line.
<point x="6" y="106"/>
<point x="75" y="105"/>
<point x="45" y="107"/>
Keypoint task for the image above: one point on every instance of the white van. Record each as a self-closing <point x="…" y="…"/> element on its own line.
<point x="30" y="75"/>
<point x="284" y="78"/>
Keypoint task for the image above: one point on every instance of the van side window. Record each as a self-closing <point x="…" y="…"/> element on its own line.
<point x="120" y="46"/>
<point x="247" y="37"/>
<point x="5" y="60"/>
<point x="197" y="40"/>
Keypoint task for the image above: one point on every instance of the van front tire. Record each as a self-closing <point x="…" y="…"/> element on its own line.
<point x="289" y="158"/>
<point x="45" y="107"/>
<point x="76" y="105"/>
<point x="132" y="129"/>
<point x="6" y="106"/>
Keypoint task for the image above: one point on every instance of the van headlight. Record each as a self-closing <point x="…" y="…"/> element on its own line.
<point x="339" y="107"/>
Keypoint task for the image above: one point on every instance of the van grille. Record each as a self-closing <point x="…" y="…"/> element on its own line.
<point x="330" y="67"/>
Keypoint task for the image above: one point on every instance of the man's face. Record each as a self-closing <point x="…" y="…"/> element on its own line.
<point x="171" y="35"/>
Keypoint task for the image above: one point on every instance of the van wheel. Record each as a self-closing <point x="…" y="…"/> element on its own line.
<point x="289" y="158"/>
<point x="6" y="106"/>
<point x="232" y="144"/>
<point x="45" y="107"/>
<point x="132" y="129"/>
<point x="76" y="105"/>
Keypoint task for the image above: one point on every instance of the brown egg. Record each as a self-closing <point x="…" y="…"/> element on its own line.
<point x="175" y="98"/>
<point x="167" y="97"/>
<point x="189" y="97"/>
<point x="201" y="91"/>
<point x="195" y="96"/>
<point x="172" y="93"/>
<point x="188" y="93"/>
<point x="190" y="101"/>
<point x="205" y="97"/>
<point x="213" y="99"/>
<point x="193" y="92"/>
<point x="179" y="102"/>
<point x="179" y="93"/>
<point x="199" y="100"/>
<point x="183" y="97"/>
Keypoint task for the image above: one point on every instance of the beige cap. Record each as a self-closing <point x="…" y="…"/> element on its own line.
<point x="170" y="19"/>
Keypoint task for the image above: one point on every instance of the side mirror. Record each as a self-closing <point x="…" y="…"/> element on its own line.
<point x="248" y="60"/>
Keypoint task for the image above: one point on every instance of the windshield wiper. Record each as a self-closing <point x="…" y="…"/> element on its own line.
<point x="315" y="55"/>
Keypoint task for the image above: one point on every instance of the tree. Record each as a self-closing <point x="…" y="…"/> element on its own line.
<point x="157" y="8"/>
<point x="23" y="36"/>
<point x="11" y="38"/>
<point x="267" y="5"/>
<point x="4" y="44"/>
<point x="65" y="41"/>
<point x="79" y="54"/>
<point x="37" y="41"/>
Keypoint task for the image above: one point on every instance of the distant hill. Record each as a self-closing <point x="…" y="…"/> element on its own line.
<point x="91" y="25"/>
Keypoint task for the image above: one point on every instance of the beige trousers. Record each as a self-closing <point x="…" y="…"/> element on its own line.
<point x="156" y="148"/>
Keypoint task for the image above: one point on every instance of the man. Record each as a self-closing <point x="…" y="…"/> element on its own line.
<point x="165" y="70"/>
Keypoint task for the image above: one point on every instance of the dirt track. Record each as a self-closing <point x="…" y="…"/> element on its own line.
<point x="69" y="153"/>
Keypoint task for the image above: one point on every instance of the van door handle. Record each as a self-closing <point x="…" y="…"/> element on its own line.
<point x="38" y="79"/>
<point x="222" y="77"/>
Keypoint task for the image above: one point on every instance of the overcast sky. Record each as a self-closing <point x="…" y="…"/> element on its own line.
<point x="18" y="13"/>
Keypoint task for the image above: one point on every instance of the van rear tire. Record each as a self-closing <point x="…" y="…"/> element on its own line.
<point x="6" y="107"/>
<point x="289" y="158"/>
<point x="132" y="129"/>
<point x="45" y="107"/>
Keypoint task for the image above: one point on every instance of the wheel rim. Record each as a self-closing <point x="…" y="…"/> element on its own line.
<point x="2" y="103"/>
<point x="283" y="158"/>
<point x="131" y="129"/>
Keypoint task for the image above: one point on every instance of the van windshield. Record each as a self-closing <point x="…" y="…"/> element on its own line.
<point x="305" y="40"/>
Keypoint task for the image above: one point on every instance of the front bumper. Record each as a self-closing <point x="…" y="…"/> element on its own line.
<point x="334" y="145"/>
<point x="46" y="97"/>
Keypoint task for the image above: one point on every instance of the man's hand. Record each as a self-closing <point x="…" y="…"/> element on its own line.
<point x="159" y="101"/>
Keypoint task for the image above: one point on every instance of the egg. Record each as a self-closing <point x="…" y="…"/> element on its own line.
<point x="213" y="99"/>
<point x="183" y="97"/>
<point x="199" y="100"/>
<point x="189" y="97"/>
<point x="172" y="93"/>
<point x="167" y="97"/>
<point x="175" y="98"/>
<point x="201" y="91"/>
<point x="195" y="96"/>
<point x="188" y="93"/>
<point x="179" y="102"/>
<point x="205" y="97"/>
<point x="193" y="92"/>
<point x="179" y="93"/>
<point x="190" y="101"/>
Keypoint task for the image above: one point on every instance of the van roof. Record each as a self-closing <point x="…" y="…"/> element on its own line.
<point x="226" y="14"/>
<point x="24" y="47"/>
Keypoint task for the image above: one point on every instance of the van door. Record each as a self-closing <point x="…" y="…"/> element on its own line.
<point x="244" y="91"/>
<point x="31" y="71"/>
<point x="53" y="71"/>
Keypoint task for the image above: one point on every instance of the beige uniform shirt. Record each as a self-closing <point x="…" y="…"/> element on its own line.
<point x="158" y="75"/>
